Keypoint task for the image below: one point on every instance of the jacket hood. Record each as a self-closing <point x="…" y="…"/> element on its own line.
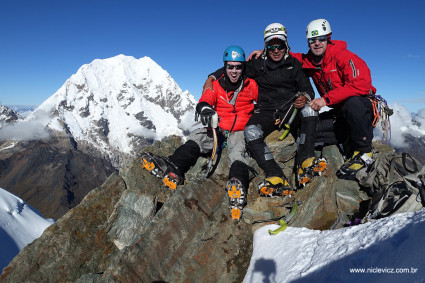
<point x="334" y="46"/>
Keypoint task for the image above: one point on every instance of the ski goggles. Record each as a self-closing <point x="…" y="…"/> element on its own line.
<point x="231" y="67"/>
<point x="272" y="48"/>
<point x="322" y="38"/>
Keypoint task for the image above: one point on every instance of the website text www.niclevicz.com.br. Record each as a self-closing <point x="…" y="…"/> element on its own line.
<point x="406" y="270"/>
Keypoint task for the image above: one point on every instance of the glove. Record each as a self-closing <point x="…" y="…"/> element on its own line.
<point x="208" y="116"/>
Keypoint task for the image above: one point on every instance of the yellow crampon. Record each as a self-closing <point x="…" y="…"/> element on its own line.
<point x="320" y="166"/>
<point x="147" y="165"/>
<point x="275" y="186"/>
<point x="234" y="192"/>
<point x="236" y="213"/>
<point x="170" y="183"/>
<point x="236" y="196"/>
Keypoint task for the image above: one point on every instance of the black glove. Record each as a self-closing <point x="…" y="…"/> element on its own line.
<point x="207" y="114"/>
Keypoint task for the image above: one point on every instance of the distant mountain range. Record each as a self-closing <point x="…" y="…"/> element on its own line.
<point x="23" y="110"/>
<point x="8" y="115"/>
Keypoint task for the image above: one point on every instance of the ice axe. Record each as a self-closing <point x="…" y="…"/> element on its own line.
<point x="214" y="126"/>
<point x="287" y="126"/>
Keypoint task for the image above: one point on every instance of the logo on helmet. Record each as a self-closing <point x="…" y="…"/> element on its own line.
<point x="274" y="30"/>
<point x="236" y="54"/>
<point x="315" y="33"/>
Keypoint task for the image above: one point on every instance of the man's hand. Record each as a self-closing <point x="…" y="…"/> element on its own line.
<point x="317" y="104"/>
<point x="208" y="85"/>
<point x="255" y="54"/>
<point x="208" y="116"/>
<point x="300" y="102"/>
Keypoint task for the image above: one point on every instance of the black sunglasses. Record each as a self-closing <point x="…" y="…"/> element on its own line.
<point x="322" y="38"/>
<point x="231" y="67"/>
<point x="274" y="47"/>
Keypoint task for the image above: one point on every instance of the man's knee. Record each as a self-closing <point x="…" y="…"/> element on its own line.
<point x="307" y="111"/>
<point x="357" y="108"/>
<point x="203" y="139"/>
<point x="253" y="132"/>
<point x="356" y="104"/>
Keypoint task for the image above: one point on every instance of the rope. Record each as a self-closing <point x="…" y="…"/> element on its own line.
<point x="382" y="113"/>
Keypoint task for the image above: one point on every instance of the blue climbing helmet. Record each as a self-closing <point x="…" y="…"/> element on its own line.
<point x="234" y="53"/>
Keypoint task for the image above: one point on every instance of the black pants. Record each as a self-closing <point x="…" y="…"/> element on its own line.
<point x="349" y="124"/>
<point x="262" y="123"/>
<point x="187" y="155"/>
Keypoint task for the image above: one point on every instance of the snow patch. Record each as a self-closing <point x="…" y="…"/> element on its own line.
<point x="385" y="250"/>
<point x="20" y="224"/>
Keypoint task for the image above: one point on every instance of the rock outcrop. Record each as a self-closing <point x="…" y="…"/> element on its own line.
<point x="131" y="229"/>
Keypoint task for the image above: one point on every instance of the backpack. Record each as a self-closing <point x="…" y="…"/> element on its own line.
<point x="397" y="184"/>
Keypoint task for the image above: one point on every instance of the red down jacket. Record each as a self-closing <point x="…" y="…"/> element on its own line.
<point x="232" y="117"/>
<point x="341" y="74"/>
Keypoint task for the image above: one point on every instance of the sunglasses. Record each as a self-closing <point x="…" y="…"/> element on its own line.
<point x="231" y="67"/>
<point x="322" y="38"/>
<point x="274" y="47"/>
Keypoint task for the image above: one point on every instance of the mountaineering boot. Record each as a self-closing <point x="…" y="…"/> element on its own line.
<point x="358" y="161"/>
<point x="237" y="197"/>
<point x="309" y="168"/>
<point x="151" y="163"/>
<point x="275" y="186"/>
<point x="162" y="168"/>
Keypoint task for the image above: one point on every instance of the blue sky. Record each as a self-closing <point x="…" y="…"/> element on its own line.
<point x="44" y="42"/>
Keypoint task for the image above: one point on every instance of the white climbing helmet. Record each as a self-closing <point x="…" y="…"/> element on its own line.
<point x="275" y="30"/>
<point x="318" y="27"/>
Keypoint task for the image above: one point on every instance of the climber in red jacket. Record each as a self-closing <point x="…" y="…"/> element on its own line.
<point x="344" y="82"/>
<point x="225" y="109"/>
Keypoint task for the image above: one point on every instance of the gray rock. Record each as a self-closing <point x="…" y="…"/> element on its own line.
<point x="131" y="229"/>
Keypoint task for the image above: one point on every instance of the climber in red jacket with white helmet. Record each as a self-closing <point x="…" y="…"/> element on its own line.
<point x="344" y="82"/>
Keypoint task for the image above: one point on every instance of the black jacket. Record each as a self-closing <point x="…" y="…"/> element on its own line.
<point x="278" y="83"/>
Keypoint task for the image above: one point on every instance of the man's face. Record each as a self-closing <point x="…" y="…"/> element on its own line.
<point x="276" y="49"/>
<point x="318" y="45"/>
<point x="234" y="71"/>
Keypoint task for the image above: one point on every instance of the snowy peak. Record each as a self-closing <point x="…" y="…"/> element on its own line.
<point x="8" y="115"/>
<point x="118" y="104"/>
<point x="129" y="79"/>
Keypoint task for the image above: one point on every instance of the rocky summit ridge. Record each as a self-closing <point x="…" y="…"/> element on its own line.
<point x="131" y="229"/>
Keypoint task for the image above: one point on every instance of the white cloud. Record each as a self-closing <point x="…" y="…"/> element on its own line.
<point x="188" y="121"/>
<point x="402" y="123"/>
<point x="31" y="130"/>
<point x="413" y="56"/>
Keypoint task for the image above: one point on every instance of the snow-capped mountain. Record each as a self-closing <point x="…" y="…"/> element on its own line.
<point x="8" y="115"/>
<point x="118" y="105"/>
<point x="23" y="110"/>
<point x="20" y="224"/>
